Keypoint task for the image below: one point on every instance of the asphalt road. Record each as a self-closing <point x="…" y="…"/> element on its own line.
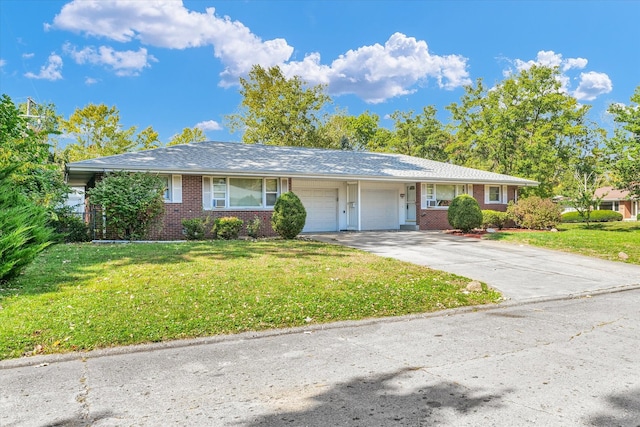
<point x="560" y="362"/>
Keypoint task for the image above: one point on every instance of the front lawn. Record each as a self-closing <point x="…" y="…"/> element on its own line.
<point x="603" y="240"/>
<point x="87" y="296"/>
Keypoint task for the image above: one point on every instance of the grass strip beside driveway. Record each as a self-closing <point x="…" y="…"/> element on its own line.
<point x="87" y="296"/>
<point x="602" y="240"/>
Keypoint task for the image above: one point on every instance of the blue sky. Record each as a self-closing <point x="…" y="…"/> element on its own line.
<point x="176" y="64"/>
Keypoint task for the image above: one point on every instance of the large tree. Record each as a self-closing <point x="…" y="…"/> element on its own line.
<point x="422" y="135"/>
<point x="525" y="126"/>
<point x="187" y="136"/>
<point x="26" y="149"/>
<point x="344" y="132"/>
<point x="98" y="132"/>
<point x="624" y="146"/>
<point x="276" y="110"/>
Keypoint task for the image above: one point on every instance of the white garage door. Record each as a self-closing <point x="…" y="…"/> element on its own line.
<point x="322" y="208"/>
<point x="379" y="210"/>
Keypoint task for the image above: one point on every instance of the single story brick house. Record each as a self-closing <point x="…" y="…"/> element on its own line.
<point x="618" y="200"/>
<point x="341" y="190"/>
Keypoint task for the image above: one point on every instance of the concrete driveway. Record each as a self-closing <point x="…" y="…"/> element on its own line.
<point x="520" y="272"/>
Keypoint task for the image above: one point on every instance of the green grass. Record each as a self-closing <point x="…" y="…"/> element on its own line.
<point x="602" y="240"/>
<point x="87" y="296"/>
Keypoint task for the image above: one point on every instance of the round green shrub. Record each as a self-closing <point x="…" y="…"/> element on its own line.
<point x="464" y="213"/>
<point x="194" y="228"/>
<point x="491" y="218"/>
<point x="289" y="216"/>
<point x="596" y="216"/>
<point x="227" y="228"/>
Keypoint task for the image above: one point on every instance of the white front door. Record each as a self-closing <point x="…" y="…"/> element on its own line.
<point x="410" y="215"/>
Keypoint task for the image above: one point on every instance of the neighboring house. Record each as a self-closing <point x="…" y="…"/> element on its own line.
<point x="619" y="201"/>
<point x="341" y="190"/>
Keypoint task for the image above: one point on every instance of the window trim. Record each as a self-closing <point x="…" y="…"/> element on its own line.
<point x="173" y="193"/>
<point x="502" y="194"/>
<point x="208" y="193"/>
<point x="433" y="203"/>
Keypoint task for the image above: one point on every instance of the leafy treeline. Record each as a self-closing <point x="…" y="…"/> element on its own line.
<point x="525" y="125"/>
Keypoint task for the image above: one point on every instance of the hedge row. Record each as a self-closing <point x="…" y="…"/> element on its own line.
<point x="596" y="216"/>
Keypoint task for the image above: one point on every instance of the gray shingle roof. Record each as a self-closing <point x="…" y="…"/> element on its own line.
<point x="231" y="158"/>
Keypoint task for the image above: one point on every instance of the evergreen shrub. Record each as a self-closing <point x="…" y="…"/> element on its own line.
<point x="464" y="213"/>
<point x="289" y="216"/>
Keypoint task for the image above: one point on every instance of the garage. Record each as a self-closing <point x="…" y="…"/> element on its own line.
<point x="379" y="209"/>
<point x="322" y="208"/>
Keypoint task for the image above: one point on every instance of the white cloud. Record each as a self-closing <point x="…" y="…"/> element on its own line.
<point x="375" y="72"/>
<point x="168" y="24"/>
<point x="592" y="84"/>
<point x="208" y="125"/>
<point x="124" y="63"/>
<point x="2" y="63"/>
<point x="90" y="81"/>
<point x="51" y="71"/>
<point x="28" y="55"/>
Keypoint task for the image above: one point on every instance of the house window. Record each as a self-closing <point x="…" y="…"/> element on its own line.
<point x="167" y="187"/>
<point x="495" y="194"/>
<point x="271" y="191"/>
<point x="245" y="192"/>
<point x="440" y="195"/>
<point x="219" y="192"/>
<point x="219" y="195"/>
<point x="172" y="188"/>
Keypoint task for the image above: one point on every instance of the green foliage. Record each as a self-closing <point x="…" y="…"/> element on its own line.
<point x="595" y="216"/>
<point x="70" y="227"/>
<point x="188" y="136"/>
<point x="194" y="228"/>
<point x="525" y="126"/>
<point x="535" y="213"/>
<point x="494" y="219"/>
<point x="132" y="202"/>
<point x="23" y="228"/>
<point x="278" y="111"/>
<point x="227" y="228"/>
<point x="344" y="132"/>
<point x="420" y="136"/>
<point x="581" y="193"/>
<point x="624" y="147"/>
<point x="464" y="213"/>
<point x="24" y="147"/>
<point x="289" y="216"/>
<point x="98" y="132"/>
<point x="253" y="227"/>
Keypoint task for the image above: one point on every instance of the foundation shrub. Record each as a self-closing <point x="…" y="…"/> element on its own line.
<point x="227" y="227"/>
<point x="464" y="213"/>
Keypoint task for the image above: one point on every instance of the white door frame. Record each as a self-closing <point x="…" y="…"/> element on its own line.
<point x="410" y="203"/>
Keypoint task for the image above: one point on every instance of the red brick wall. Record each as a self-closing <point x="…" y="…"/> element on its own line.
<point x="170" y="225"/>
<point x="436" y="219"/>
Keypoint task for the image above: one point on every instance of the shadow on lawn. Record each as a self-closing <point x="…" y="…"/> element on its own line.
<point x="380" y="400"/>
<point x="70" y="264"/>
